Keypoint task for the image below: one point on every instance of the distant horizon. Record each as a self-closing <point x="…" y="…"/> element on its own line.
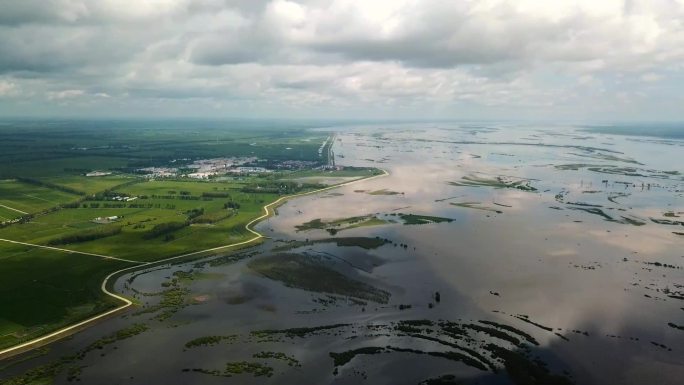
<point x="332" y="120"/>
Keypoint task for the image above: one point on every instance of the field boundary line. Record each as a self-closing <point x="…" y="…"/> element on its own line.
<point x="13" y="209"/>
<point x="65" y="331"/>
<point x="70" y="251"/>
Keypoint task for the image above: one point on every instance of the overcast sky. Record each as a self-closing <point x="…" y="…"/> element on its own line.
<point x="518" y="59"/>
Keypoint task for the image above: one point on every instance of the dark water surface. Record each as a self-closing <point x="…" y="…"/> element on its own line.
<point x="574" y="256"/>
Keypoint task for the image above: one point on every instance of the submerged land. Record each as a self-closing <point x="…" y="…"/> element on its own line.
<point x="94" y="207"/>
<point x="489" y="254"/>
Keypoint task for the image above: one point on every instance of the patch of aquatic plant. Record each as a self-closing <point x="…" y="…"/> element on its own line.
<point x="413" y="326"/>
<point x="667" y="222"/>
<point x="38" y="352"/>
<point x="631" y="221"/>
<point x="584" y="204"/>
<point x="225" y="259"/>
<point x="498" y="182"/>
<point x="209" y="341"/>
<point x="622" y="220"/>
<point x="43" y="374"/>
<point x="522" y="370"/>
<point x="142" y="272"/>
<point x="172" y="301"/>
<point x="119" y="335"/>
<point x="519" y="332"/>
<point x="525" y="318"/>
<point x="289" y="360"/>
<point x="298" y="332"/>
<point x="74" y="373"/>
<point x="478" y="360"/>
<point x="675" y="326"/>
<point x="308" y="273"/>
<point x="634" y="172"/>
<point x="607" y="157"/>
<point x="256" y="369"/>
<point x="415" y="219"/>
<point x="337" y="225"/>
<point x="363" y="242"/>
<point x="517" y="363"/>
<point x="385" y="192"/>
<point x="447" y="379"/>
<point x="576" y="166"/>
<point x="319" y="224"/>
<point x="476" y="206"/>
<point x="194" y="275"/>
<point x="496" y="333"/>
<point x="613" y="196"/>
<point x="341" y="359"/>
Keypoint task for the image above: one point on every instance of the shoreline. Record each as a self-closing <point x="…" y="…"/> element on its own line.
<point x="269" y="210"/>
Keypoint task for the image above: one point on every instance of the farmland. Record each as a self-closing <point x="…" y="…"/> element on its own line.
<point x="43" y="290"/>
<point x="17" y="197"/>
<point x="79" y="188"/>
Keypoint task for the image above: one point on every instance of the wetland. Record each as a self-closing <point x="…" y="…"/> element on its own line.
<point x="481" y="258"/>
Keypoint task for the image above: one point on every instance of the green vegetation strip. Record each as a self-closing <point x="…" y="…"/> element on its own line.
<point x="363" y="242"/>
<point x="173" y="298"/>
<point x="308" y="273"/>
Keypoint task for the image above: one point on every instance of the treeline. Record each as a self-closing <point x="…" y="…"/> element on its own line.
<point x="86" y="236"/>
<point x="97" y="205"/>
<point x="213" y="217"/>
<point x="216" y="194"/>
<point x="194" y="213"/>
<point x="282" y="188"/>
<point x="164" y="229"/>
<point x="41" y="183"/>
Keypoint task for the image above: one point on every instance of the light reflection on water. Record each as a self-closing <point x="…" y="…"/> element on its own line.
<point x="567" y="269"/>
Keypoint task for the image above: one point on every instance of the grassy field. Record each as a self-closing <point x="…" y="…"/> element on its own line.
<point x="45" y="149"/>
<point x="42" y="290"/>
<point x="346" y="172"/>
<point x="8" y="214"/>
<point x="30" y="198"/>
<point x="42" y="173"/>
<point x="156" y="203"/>
<point x="89" y="185"/>
<point x="47" y="289"/>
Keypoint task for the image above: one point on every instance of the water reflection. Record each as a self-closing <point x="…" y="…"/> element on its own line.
<point x="559" y="262"/>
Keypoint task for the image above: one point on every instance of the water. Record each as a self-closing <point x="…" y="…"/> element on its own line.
<point x="596" y="282"/>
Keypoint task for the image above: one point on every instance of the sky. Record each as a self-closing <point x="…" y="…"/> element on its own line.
<point x="615" y="60"/>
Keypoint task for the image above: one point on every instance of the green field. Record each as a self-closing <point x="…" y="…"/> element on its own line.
<point x="156" y="203"/>
<point x="88" y="185"/>
<point x="346" y="172"/>
<point x="42" y="290"/>
<point x="8" y="214"/>
<point x="47" y="289"/>
<point x="30" y="198"/>
<point x="43" y="185"/>
<point x="46" y="149"/>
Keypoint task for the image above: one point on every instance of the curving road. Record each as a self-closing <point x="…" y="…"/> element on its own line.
<point x="68" y="330"/>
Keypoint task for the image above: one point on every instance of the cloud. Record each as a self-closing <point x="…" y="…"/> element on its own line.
<point x="7" y="88"/>
<point x="343" y="55"/>
<point x="66" y="94"/>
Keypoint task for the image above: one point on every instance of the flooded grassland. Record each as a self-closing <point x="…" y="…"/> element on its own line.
<point x="489" y="255"/>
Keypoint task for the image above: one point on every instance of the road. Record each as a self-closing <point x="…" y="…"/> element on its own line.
<point x="68" y="330"/>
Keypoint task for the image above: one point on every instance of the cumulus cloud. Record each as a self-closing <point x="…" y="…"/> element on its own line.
<point x="370" y="57"/>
